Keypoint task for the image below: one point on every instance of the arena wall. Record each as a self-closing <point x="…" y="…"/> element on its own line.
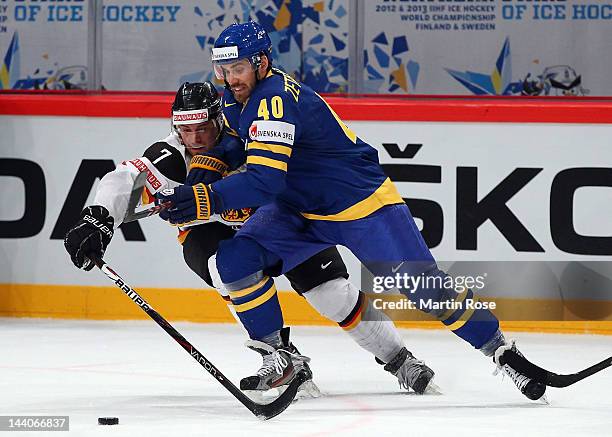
<point x="547" y="160"/>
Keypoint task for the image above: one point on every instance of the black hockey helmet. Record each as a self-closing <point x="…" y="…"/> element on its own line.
<point x="197" y="95"/>
<point x="196" y="103"/>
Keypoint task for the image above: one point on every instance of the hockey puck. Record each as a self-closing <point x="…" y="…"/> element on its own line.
<point x="108" y="421"/>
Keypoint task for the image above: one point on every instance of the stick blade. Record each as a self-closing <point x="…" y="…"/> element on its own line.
<point x="135" y="195"/>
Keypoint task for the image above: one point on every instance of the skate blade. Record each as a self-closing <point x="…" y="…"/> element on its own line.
<point x="543" y="400"/>
<point x="432" y="389"/>
<point x="308" y="390"/>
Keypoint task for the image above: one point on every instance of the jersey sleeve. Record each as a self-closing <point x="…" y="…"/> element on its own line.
<point x="165" y="166"/>
<point x="272" y="133"/>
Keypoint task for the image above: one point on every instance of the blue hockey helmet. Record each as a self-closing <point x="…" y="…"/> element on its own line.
<point x="241" y="41"/>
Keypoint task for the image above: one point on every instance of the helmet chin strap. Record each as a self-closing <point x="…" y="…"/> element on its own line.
<point x="220" y="127"/>
<point x="256" y="62"/>
<point x="257" y="78"/>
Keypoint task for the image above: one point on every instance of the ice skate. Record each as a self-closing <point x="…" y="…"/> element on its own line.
<point x="412" y="373"/>
<point x="279" y="367"/>
<point x="308" y="389"/>
<point x="530" y="388"/>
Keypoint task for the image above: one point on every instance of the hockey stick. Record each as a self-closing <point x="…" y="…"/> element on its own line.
<point x="544" y="376"/>
<point x="131" y="214"/>
<point x="263" y="411"/>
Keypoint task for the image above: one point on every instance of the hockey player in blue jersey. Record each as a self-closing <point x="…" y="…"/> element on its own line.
<point x="317" y="185"/>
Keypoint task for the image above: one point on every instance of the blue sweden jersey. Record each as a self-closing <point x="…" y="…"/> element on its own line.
<point x="302" y="155"/>
<point x="230" y="150"/>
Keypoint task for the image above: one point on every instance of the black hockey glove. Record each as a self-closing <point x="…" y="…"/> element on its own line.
<point x="91" y="234"/>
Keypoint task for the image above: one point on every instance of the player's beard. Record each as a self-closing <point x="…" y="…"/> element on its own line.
<point x="244" y="92"/>
<point x="239" y="96"/>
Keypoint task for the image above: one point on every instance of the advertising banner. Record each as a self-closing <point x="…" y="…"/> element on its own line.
<point x="43" y="45"/>
<point x="481" y="47"/>
<point x="479" y="192"/>
<point x="153" y="46"/>
<point x="488" y="47"/>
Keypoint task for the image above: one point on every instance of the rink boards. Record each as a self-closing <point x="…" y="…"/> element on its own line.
<point x="536" y="175"/>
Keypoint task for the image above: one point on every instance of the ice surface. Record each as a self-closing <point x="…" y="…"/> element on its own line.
<point x="135" y="371"/>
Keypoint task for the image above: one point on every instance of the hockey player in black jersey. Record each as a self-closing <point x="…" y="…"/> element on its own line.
<point x="200" y="149"/>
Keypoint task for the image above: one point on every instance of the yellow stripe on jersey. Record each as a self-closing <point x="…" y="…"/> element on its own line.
<point x="386" y="194"/>
<point x="268" y="162"/>
<point x="282" y="150"/>
<point x="347" y="131"/>
<point x="458" y="302"/>
<point x="465" y="317"/>
<point x="241" y="293"/>
<point x="256" y="302"/>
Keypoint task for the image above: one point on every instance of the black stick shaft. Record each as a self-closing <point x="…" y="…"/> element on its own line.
<point x="549" y="378"/>
<point x="263" y="411"/>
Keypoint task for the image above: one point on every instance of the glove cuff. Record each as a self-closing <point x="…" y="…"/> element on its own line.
<point x="203" y="201"/>
<point x="208" y="163"/>
<point x="98" y="216"/>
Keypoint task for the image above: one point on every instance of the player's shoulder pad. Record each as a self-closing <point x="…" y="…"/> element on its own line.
<point x="232" y="151"/>
<point x="285" y="86"/>
<point x="168" y="160"/>
<point x="272" y="85"/>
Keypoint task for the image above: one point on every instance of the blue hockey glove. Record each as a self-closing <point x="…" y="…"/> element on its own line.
<point x="190" y="203"/>
<point x="205" y="169"/>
